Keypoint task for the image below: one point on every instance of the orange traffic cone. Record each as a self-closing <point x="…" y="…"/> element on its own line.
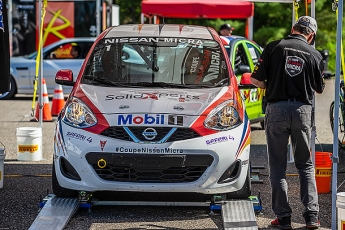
<point x="58" y="100"/>
<point x="47" y="116"/>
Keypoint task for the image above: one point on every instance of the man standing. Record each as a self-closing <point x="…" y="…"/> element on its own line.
<point x="76" y="51"/>
<point x="291" y="70"/>
<point x="4" y="50"/>
<point x="225" y="30"/>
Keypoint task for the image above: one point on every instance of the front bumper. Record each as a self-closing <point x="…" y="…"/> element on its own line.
<point x="105" y="164"/>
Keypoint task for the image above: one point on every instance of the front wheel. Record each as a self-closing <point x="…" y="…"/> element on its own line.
<point x="341" y="125"/>
<point x="61" y="191"/>
<point x="245" y="191"/>
<point x="12" y="91"/>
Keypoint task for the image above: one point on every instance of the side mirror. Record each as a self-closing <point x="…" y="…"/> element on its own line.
<point x="243" y="69"/>
<point x="64" y="77"/>
<point x="245" y="79"/>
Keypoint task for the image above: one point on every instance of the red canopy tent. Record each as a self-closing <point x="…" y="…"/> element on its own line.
<point x="212" y="9"/>
<point x="230" y="9"/>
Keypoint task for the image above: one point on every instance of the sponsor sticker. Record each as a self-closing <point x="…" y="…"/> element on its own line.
<point x="150" y="40"/>
<point x="27" y="148"/>
<point x="217" y="140"/>
<point x="153" y="96"/>
<point x="294" y="65"/>
<point x="102" y="143"/>
<point x="253" y="95"/>
<point x="78" y="136"/>
<point x="147" y="150"/>
<point x="323" y="172"/>
<point x="149" y="119"/>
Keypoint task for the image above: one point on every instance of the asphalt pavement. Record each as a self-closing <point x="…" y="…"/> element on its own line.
<point x="26" y="182"/>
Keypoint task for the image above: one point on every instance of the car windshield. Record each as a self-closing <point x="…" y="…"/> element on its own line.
<point x="31" y="55"/>
<point x="157" y="62"/>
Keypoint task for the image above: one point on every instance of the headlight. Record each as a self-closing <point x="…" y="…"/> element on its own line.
<point x="78" y="115"/>
<point x="225" y="116"/>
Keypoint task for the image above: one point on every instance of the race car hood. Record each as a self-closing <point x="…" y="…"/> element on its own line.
<point x="151" y="100"/>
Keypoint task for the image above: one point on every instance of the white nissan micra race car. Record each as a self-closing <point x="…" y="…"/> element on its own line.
<point x="155" y="108"/>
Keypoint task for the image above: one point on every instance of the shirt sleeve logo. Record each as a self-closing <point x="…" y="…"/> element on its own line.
<point x="294" y="65"/>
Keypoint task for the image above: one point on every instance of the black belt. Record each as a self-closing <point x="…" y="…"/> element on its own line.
<point x="291" y="100"/>
<point x="288" y="100"/>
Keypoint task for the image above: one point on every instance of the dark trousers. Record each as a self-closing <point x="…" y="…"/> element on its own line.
<point x="285" y="119"/>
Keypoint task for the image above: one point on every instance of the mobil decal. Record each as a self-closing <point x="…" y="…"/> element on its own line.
<point x="293" y="65"/>
<point x="253" y="95"/>
<point x="149" y="119"/>
<point x="153" y="96"/>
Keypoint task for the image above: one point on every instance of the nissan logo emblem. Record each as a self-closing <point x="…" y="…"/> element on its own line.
<point x="149" y="133"/>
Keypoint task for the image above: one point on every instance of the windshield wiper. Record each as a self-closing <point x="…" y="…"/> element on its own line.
<point x="172" y="85"/>
<point x="160" y="84"/>
<point x="222" y="82"/>
<point x="100" y="81"/>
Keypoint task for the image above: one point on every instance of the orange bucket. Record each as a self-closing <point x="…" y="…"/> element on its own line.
<point x="323" y="171"/>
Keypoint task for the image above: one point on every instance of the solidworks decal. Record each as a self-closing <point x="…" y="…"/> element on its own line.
<point x="154" y="96"/>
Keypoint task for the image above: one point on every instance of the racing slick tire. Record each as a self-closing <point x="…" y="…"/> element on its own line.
<point x="61" y="191"/>
<point x="245" y="191"/>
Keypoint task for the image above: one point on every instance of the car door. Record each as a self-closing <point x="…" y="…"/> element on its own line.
<point x="246" y="56"/>
<point x="60" y="58"/>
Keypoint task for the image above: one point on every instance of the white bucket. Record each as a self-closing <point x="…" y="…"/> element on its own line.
<point x="2" y="158"/>
<point x="341" y="209"/>
<point x="29" y="143"/>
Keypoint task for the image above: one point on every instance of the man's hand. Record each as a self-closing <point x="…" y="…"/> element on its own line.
<point x="257" y="83"/>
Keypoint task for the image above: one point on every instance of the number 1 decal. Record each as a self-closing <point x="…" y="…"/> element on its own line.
<point x="175" y="120"/>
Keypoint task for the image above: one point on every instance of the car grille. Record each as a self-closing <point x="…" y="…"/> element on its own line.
<point x="135" y="134"/>
<point x="149" y="168"/>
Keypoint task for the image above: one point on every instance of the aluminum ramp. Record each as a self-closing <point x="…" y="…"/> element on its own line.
<point x="238" y="214"/>
<point x="55" y="213"/>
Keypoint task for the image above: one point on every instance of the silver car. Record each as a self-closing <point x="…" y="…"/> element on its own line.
<point x="56" y="56"/>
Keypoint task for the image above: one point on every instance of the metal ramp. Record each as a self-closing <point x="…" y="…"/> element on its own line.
<point x="238" y="214"/>
<point x="55" y="213"/>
